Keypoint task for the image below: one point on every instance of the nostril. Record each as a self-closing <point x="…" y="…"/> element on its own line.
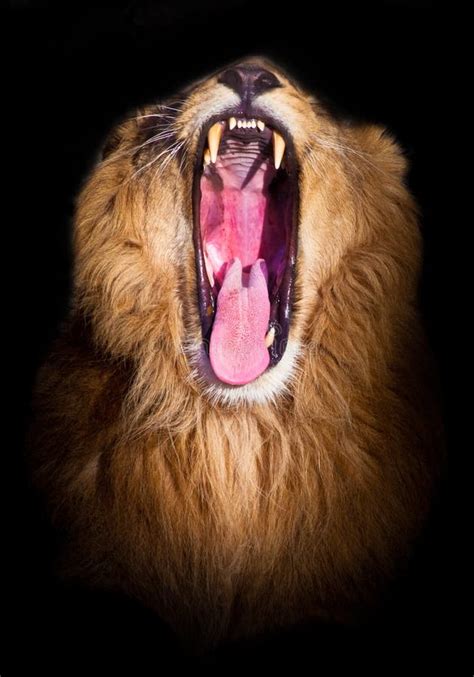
<point x="232" y="78"/>
<point x="266" y="80"/>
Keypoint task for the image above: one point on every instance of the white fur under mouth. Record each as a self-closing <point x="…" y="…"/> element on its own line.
<point x="273" y="383"/>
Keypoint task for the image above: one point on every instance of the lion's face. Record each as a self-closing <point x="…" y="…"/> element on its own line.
<point x="243" y="191"/>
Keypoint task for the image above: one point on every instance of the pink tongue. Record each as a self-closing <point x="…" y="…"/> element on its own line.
<point x="237" y="350"/>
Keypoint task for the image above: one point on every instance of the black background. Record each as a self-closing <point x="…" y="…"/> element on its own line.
<point x="69" y="73"/>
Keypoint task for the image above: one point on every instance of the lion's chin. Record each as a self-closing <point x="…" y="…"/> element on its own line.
<point x="267" y="388"/>
<point x="245" y="199"/>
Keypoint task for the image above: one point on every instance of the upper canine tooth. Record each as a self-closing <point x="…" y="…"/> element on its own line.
<point x="232" y="123"/>
<point x="278" y="149"/>
<point x="260" y="125"/>
<point x="213" y="139"/>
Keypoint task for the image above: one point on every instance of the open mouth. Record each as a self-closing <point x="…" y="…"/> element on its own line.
<point x="245" y="201"/>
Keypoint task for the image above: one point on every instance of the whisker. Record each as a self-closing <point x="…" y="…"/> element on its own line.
<point x="160" y="136"/>
<point x="172" y="154"/>
<point x="172" y="108"/>
<point x="177" y="144"/>
<point x="153" y="115"/>
<point x="346" y="150"/>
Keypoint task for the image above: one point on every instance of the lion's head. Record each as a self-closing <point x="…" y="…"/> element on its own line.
<point x="227" y="209"/>
<point x="239" y="399"/>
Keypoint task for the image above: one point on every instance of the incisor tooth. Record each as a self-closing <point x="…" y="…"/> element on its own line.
<point x="232" y="123"/>
<point x="270" y="337"/>
<point x="207" y="157"/>
<point x="260" y="125"/>
<point x="213" y="139"/>
<point x="278" y="149"/>
<point x="239" y="123"/>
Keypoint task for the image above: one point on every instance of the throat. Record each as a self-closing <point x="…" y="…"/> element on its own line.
<point x="235" y="215"/>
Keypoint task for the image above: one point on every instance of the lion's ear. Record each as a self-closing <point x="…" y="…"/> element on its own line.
<point x="383" y="148"/>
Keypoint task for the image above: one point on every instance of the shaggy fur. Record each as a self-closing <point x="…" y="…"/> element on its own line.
<point x="231" y="513"/>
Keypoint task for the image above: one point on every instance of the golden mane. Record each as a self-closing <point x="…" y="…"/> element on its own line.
<point x="229" y="516"/>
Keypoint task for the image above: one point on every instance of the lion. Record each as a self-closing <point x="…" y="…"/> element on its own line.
<point x="237" y="424"/>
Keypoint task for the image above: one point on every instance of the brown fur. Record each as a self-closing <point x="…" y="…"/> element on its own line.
<point x="230" y="519"/>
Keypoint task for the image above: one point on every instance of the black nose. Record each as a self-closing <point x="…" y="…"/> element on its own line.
<point x="249" y="80"/>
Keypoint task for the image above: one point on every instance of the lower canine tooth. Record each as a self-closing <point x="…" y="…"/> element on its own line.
<point x="260" y="125"/>
<point x="213" y="139"/>
<point x="232" y="123"/>
<point x="207" y="157"/>
<point x="270" y="337"/>
<point x="278" y="149"/>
